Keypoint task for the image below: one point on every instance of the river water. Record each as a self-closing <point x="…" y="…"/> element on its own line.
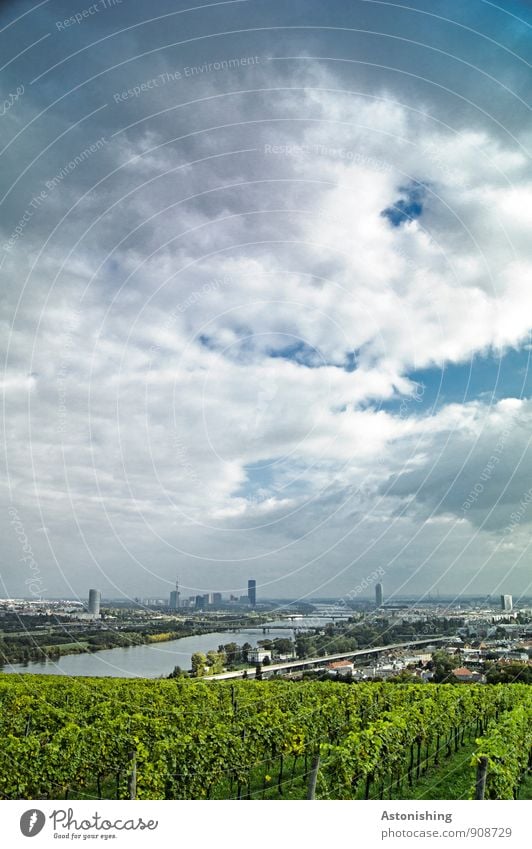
<point x="157" y="659"/>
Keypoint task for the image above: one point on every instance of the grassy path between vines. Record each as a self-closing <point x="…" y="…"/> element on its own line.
<point x="451" y="780"/>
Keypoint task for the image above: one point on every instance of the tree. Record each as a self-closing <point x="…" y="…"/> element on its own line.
<point x="232" y="653"/>
<point x="283" y="645"/>
<point x="177" y="672"/>
<point x="215" y="662"/>
<point x="341" y="644"/>
<point x="305" y="647"/>
<point x="509" y="673"/>
<point x="443" y="665"/>
<point x="199" y="662"/>
<point x="405" y="676"/>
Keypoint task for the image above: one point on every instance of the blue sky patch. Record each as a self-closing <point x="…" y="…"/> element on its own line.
<point x="300" y="352"/>
<point x="408" y="207"/>
<point x="489" y="379"/>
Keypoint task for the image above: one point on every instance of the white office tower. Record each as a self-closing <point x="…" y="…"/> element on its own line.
<point x="95" y="598"/>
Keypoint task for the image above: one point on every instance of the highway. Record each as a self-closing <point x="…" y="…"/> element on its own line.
<point x="320" y="661"/>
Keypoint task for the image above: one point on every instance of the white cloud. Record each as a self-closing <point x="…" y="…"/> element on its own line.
<point x="190" y="391"/>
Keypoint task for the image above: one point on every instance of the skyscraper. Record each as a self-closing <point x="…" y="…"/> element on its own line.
<point x="174" y="597"/>
<point x="507" y="603"/>
<point x="378" y="595"/>
<point x="252" y="592"/>
<point x="95" y="598"/>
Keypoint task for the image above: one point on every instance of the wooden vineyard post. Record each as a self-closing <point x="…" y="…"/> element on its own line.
<point x="132" y="778"/>
<point x="482" y="772"/>
<point x="313" y="777"/>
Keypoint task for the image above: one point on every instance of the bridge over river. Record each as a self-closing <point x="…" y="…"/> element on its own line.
<point x="310" y="662"/>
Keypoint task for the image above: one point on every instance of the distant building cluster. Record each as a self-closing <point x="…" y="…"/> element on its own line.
<point x="213" y="600"/>
<point x="55" y="607"/>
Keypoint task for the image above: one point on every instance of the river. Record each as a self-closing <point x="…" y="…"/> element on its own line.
<point x="154" y="660"/>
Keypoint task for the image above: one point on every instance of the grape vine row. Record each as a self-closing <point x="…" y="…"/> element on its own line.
<point x="77" y="738"/>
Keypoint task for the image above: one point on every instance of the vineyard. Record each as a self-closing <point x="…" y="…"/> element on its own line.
<point x="111" y="738"/>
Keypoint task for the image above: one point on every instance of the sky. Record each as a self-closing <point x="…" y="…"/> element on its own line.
<point x="266" y="297"/>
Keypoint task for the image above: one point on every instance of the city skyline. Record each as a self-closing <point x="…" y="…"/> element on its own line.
<point x="504" y="601"/>
<point x="266" y="300"/>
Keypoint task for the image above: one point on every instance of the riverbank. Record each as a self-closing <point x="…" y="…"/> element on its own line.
<point x="149" y="660"/>
<point x="35" y="646"/>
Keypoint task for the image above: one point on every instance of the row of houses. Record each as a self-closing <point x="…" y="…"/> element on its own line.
<point x="346" y="669"/>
